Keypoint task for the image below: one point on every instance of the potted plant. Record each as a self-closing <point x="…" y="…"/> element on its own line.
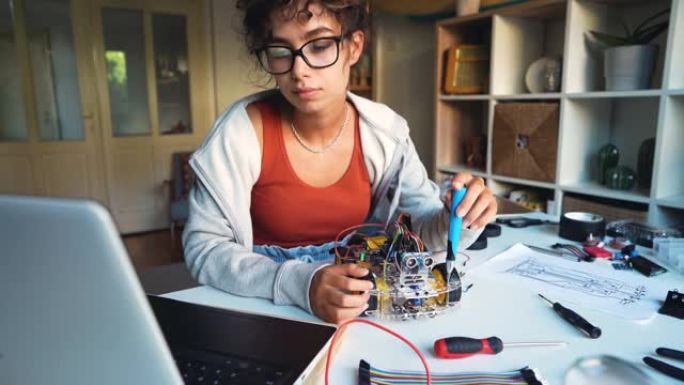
<point x="629" y="59"/>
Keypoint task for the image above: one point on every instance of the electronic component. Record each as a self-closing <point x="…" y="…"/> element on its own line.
<point x="597" y="252"/>
<point x="674" y="305"/>
<point x="640" y="233"/>
<point x="645" y="266"/>
<point x="621" y="266"/>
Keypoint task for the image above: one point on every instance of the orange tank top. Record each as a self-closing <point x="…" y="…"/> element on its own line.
<point x="288" y="212"/>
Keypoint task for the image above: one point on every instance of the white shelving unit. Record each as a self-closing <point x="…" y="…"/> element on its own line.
<point x="590" y="117"/>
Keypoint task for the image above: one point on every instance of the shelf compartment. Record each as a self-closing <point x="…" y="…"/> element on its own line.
<point x="456" y="123"/>
<point x="596" y="189"/>
<point x="477" y="32"/>
<point x="610" y="209"/>
<point x="520" y="41"/>
<point x="589" y="124"/>
<point x="538" y="198"/>
<point x="584" y="66"/>
<point x="668" y="216"/>
<point x="525" y="139"/>
<point x="669" y="173"/>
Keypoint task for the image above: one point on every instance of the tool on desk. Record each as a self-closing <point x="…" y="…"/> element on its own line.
<point x="462" y="347"/>
<point x="574" y="319"/>
<point x="521" y="222"/>
<point x="556" y="253"/>
<point x="665" y="368"/>
<point x="674" y="305"/>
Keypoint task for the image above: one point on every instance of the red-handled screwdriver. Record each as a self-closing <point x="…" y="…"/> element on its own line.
<point x="462" y="347"/>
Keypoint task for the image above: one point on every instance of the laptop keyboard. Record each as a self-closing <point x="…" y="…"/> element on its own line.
<point x="204" y="368"/>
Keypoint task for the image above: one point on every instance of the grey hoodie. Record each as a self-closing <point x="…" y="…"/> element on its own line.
<point x="218" y="235"/>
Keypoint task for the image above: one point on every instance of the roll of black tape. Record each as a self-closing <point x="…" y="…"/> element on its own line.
<point x="576" y="226"/>
<point x="479" y="244"/>
<point x="492" y="230"/>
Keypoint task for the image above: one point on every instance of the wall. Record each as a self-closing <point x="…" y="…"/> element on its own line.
<point x="405" y="60"/>
<point x="235" y="73"/>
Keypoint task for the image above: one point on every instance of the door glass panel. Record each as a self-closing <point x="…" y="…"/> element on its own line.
<point x="126" y="78"/>
<point x="12" y="112"/>
<point x="171" y="64"/>
<point x="54" y="68"/>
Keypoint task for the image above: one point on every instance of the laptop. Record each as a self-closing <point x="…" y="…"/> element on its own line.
<point x="73" y="312"/>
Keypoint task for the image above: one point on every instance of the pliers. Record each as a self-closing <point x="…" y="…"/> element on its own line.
<point x="664" y="367"/>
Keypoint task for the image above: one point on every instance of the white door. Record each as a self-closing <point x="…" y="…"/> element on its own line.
<point x="153" y="85"/>
<point x="49" y="144"/>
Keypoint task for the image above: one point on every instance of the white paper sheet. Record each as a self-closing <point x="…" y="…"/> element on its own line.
<point x="625" y="294"/>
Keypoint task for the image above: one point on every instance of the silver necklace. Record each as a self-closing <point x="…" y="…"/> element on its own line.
<point x="327" y="146"/>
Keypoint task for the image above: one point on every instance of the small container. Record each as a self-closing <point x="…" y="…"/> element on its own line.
<point x="670" y="251"/>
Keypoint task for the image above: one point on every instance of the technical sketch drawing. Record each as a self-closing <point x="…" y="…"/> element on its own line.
<point x="579" y="281"/>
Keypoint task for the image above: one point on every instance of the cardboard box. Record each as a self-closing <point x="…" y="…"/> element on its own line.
<point x="525" y="140"/>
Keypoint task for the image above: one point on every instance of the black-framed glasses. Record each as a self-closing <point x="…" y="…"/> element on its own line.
<point x="317" y="53"/>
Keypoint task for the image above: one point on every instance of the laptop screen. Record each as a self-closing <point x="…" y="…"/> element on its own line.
<point x="196" y="332"/>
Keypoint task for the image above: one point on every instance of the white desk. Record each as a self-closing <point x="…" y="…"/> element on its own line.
<point x="488" y="309"/>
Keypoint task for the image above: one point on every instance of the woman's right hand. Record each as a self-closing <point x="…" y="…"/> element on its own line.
<point x="330" y="292"/>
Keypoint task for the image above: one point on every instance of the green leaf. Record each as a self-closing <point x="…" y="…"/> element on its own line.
<point x="626" y="28"/>
<point x="637" y="36"/>
<point x="651" y="34"/>
<point x="609" y="40"/>
<point x="648" y="20"/>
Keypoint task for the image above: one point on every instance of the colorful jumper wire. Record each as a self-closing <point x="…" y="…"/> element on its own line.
<point x="369" y="375"/>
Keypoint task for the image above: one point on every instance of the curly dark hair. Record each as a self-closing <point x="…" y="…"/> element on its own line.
<point x="351" y="14"/>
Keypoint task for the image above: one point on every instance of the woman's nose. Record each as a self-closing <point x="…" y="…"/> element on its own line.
<point x="299" y="67"/>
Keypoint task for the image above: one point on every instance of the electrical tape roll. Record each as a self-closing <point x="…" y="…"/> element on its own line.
<point x="492" y="230"/>
<point x="479" y="244"/>
<point x="576" y="226"/>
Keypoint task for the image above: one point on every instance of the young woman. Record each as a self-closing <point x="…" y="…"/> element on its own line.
<point x="284" y="171"/>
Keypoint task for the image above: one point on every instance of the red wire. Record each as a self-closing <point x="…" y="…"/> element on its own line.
<point x="390" y="331"/>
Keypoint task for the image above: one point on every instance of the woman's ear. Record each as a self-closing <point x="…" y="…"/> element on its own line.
<point x="357" y="41"/>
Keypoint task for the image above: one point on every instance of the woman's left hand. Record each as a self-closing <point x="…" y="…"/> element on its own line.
<point x="479" y="206"/>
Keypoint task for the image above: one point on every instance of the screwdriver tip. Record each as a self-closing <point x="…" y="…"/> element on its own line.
<point x="545" y="299"/>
